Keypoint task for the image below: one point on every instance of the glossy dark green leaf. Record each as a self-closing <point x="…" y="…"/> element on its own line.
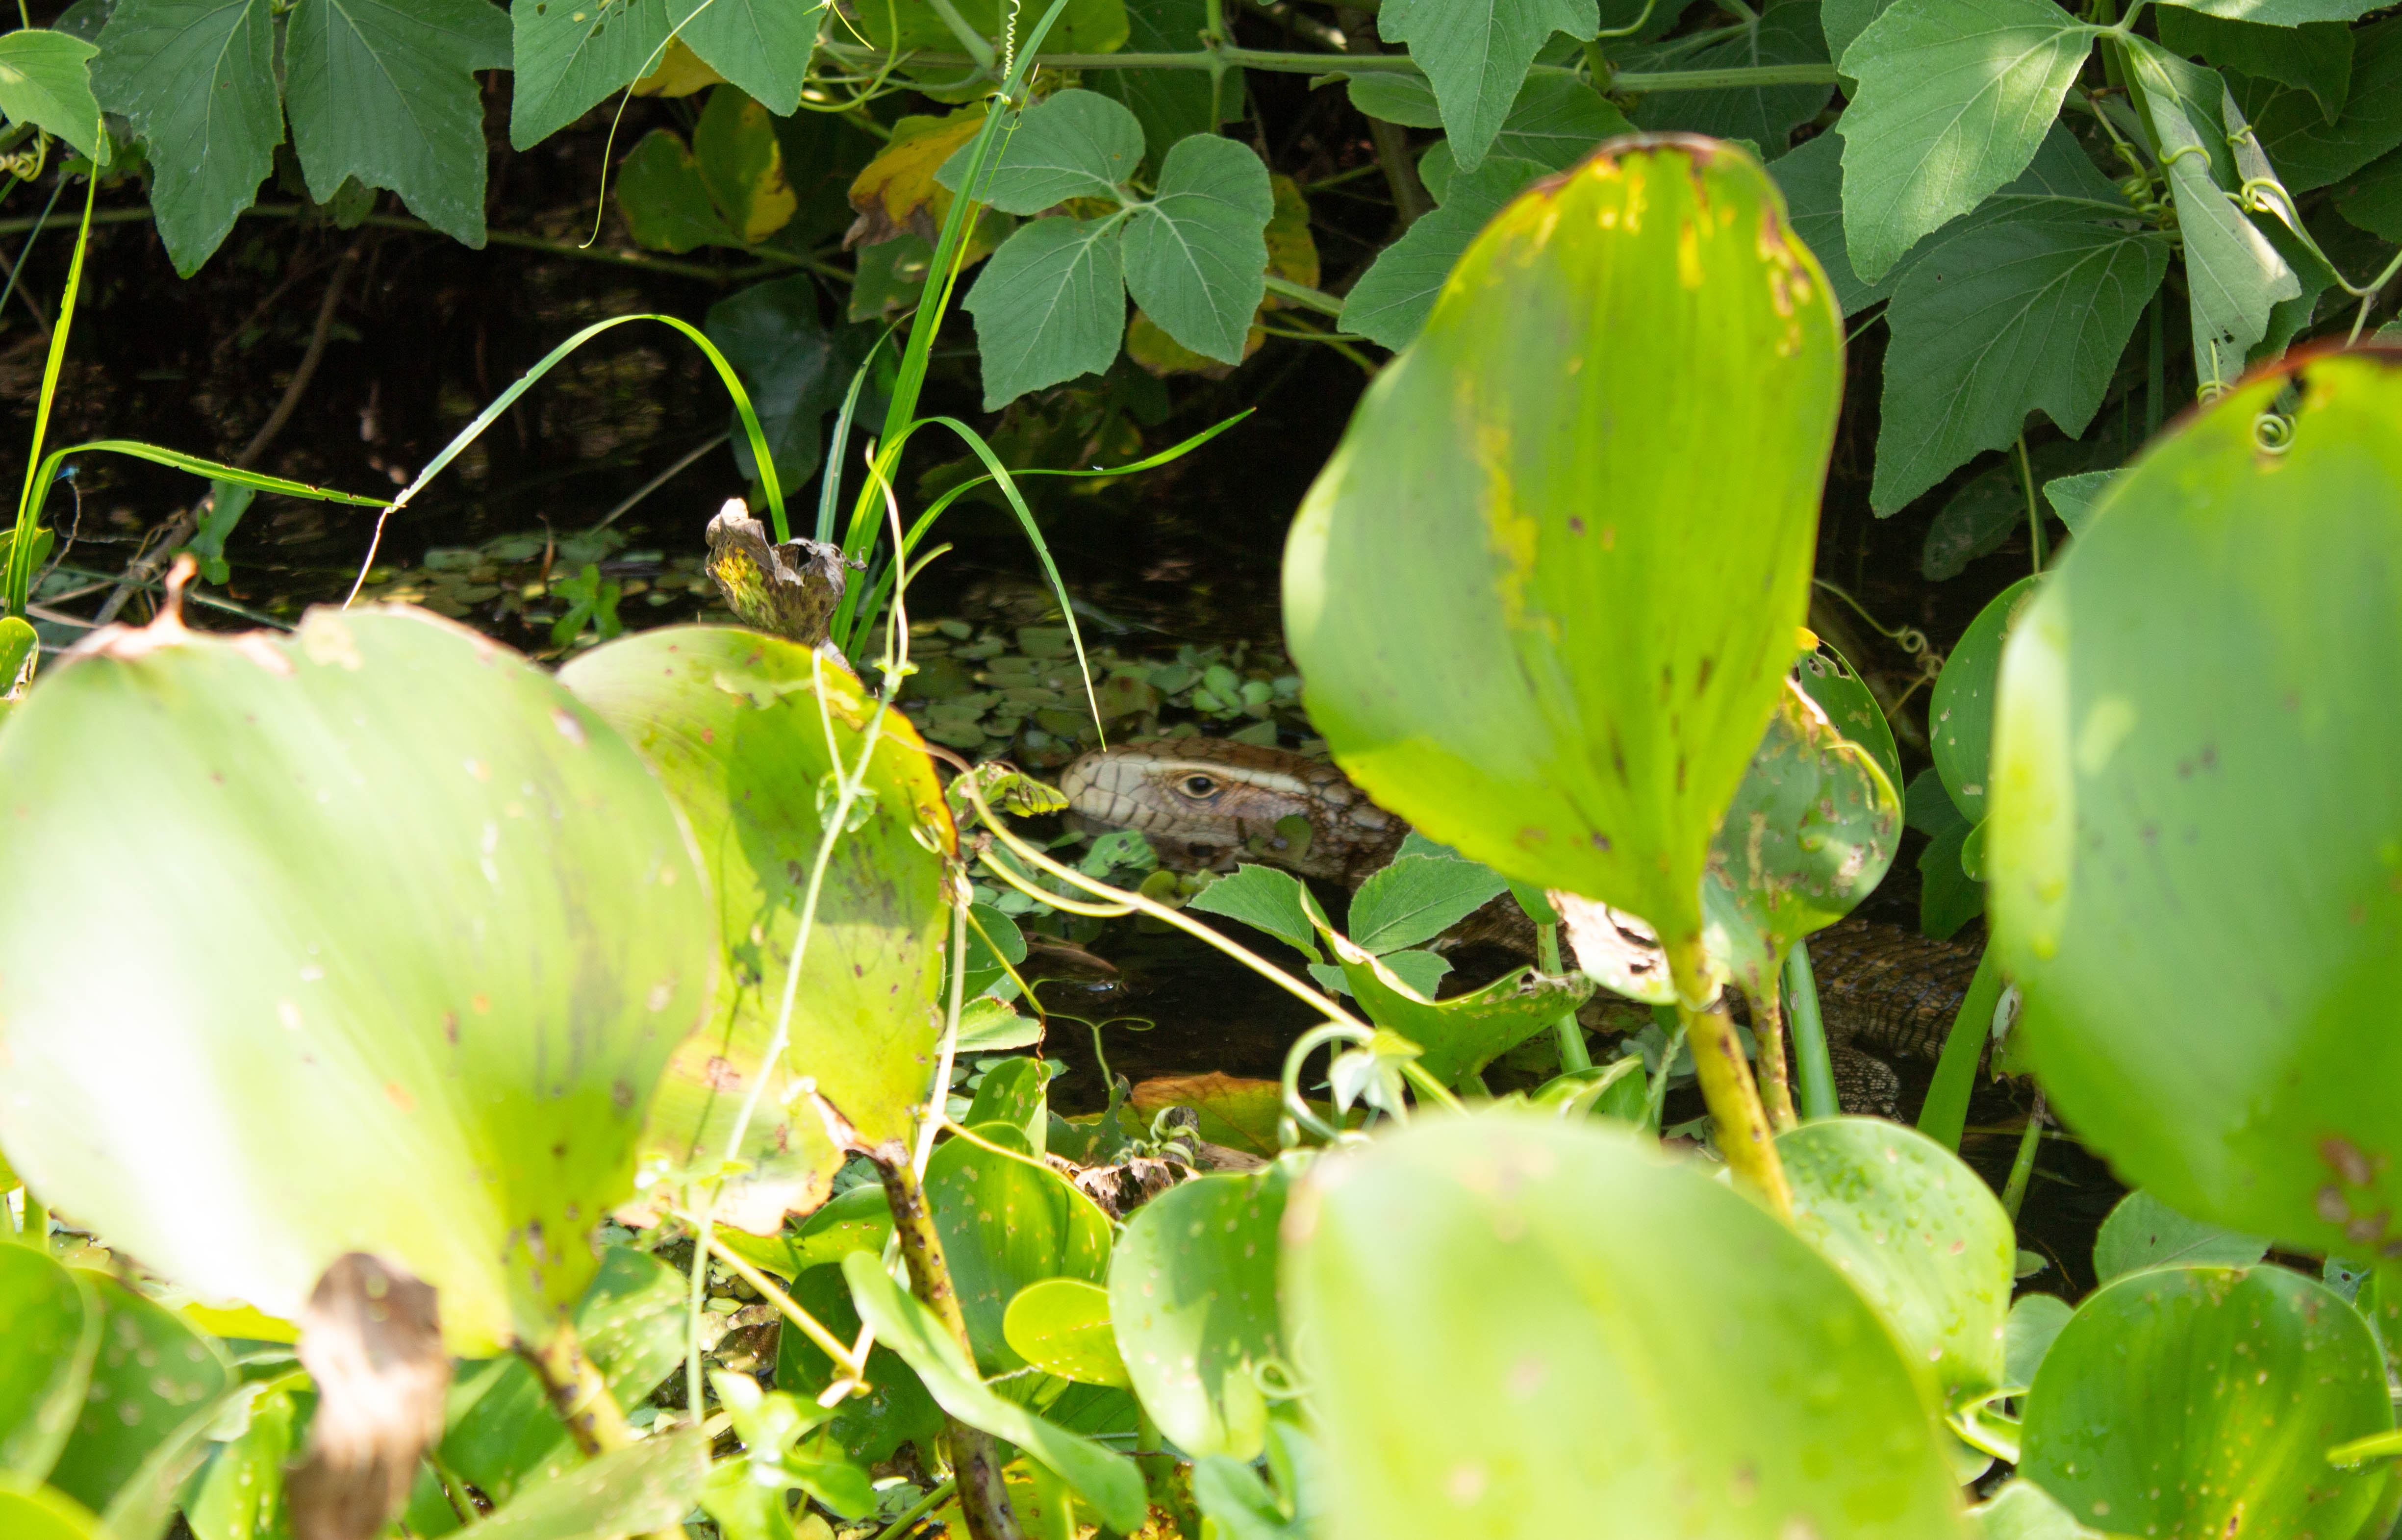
<point x="1193" y="1301"/>
<point x="741" y="729"/>
<point x="1417" y="897"/>
<point x="2201" y="1401"/>
<point x="240" y="1494"/>
<point x="1955" y="95"/>
<point x="195" y="79"/>
<point x="45" y="80"/>
<point x="1395" y="295"/>
<point x="795" y="369"/>
<point x="502" y="1434"/>
<point x="2306" y="149"/>
<point x="2316" y="56"/>
<point x="153" y="1375"/>
<point x="1918" y="1233"/>
<point x="1466" y="600"/>
<point x="1008" y="1220"/>
<point x="1960" y="710"/>
<point x="1105" y="1481"/>
<point x="387" y="93"/>
<point x="45" y="1358"/>
<point x="1510" y="1325"/>
<point x="2188" y="709"/>
<point x="461" y="1093"/>
<point x="1457" y="1037"/>
<point x="1266" y="898"/>
<point x="1476" y="52"/>
<point x="2143" y="1231"/>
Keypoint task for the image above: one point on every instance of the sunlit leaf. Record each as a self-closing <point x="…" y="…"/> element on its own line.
<point x="1061" y="1326"/>
<point x="1960" y="710"/>
<point x="1078" y="143"/>
<point x="1192" y="1299"/>
<point x="1049" y="305"/>
<point x="1007" y="1220"/>
<point x="1196" y="258"/>
<point x="45" y="1358"/>
<point x="45" y="80"/>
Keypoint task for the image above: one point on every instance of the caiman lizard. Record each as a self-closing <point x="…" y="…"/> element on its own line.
<point x="1206" y="803"/>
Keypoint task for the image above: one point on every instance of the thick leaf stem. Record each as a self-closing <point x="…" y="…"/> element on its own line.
<point x="1768" y="1028"/>
<point x="1945" y="1116"/>
<point x="2022" y="1166"/>
<point x="1743" y="1136"/>
<point x="1816" y="1066"/>
<point x="578" y="1394"/>
<point x="1573" y="1057"/>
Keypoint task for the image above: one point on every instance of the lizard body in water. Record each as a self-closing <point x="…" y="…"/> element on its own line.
<point x="1206" y="803"/>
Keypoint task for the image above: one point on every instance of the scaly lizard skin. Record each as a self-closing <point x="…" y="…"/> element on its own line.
<point x="1206" y="803"/>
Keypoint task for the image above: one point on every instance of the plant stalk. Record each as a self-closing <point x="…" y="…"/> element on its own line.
<point x="1573" y="1055"/>
<point x="578" y="1394"/>
<point x="1768" y="1029"/>
<point x="2022" y="1166"/>
<point x="1743" y="1136"/>
<point x="1945" y="1116"/>
<point x="1743" y="77"/>
<point x="1810" y="1056"/>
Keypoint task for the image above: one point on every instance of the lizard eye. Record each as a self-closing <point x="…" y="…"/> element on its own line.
<point x="1198" y="787"/>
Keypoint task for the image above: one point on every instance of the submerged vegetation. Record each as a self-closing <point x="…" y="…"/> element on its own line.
<point x="572" y="1032"/>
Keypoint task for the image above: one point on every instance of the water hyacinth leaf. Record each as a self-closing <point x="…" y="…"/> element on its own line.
<point x="2035" y="1322"/>
<point x="1954" y="96"/>
<point x="46" y="1357"/>
<point x="1611" y="1326"/>
<point x="1417" y="897"/>
<point x="2219" y="734"/>
<point x="1193" y="1301"/>
<point x="502" y="1436"/>
<point x="1918" y="1233"/>
<point x="2143" y="1231"/>
<point x="895" y="1411"/>
<point x="740" y="729"/>
<point x="240" y="1494"/>
<point x="1061" y="1326"/>
<point x="460" y="1050"/>
<point x="2023" y="1511"/>
<point x="1006" y="1221"/>
<point x="1466" y="603"/>
<point x="2135" y="1420"/>
<point x="1012" y="1092"/>
<point x="42" y="1514"/>
<point x="1105" y="1481"/>
<point x="1460" y="1035"/>
<point x="1829" y="678"/>
<point x="211" y="147"/>
<point x="641" y="1487"/>
<point x="152" y="1374"/>
<point x="1960" y="711"/>
<point x="1809" y="835"/>
<point x="45" y="80"/>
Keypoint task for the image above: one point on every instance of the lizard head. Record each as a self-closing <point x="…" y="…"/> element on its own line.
<point x="1205" y="803"/>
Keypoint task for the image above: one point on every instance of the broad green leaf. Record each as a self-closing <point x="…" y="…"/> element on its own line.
<point x="45" y="80"/>
<point x="762" y="46"/>
<point x="741" y="729"/>
<point x="1266" y="898"/>
<point x="1049" y="305"/>
<point x="2023" y="1511"/>
<point x="45" y="1358"/>
<point x="1012" y="1092"/>
<point x="2234" y="277"/>
<point x="240" y="1494"/>
<point x="502" y="1434"/>
<point x="41" y="1513"/>
<point x="1105" y="1480"/>
<point x="1085" y="26"/>
<point x="1808" y="834"/>
<point x="1556" y="121"/>
<point x="1948" y="896"/>
<point x="2281" y="13"/>
<point x="405" y="889"/>
<point x="1476" y="53"/>
<point x="1061" y="1326"/>
<point x="1078" y="143"/>
<point x="2373" y="197"/>
<point x="1812" y="180"/>
<point x="1479" y="576"/>
<point x="1918" y="1233"/>
<point x="1960" y="709"/>
<point x="568" y="54"/>
<point x="1192" y="1300"/>
<point x="2075" y="498"/>
<point x="1983" y="516"/>
<point x="2035" y="1324"/>
<point x="784" y="1445"/>
<point x="646" y="1486"/>
<point x="195" y="79"/>
<point x="896" y="1409"/>
<point x="794" y="368"/>
<point x="2188" y="708"/>
<point x="2141" y="1232"/>
<point x="386" y="92"/>
<point x="2307" y="150"/>
<point x="1460" y="1035"/>
<point x="1196" y="256"/>
<point x="2315" y="58"/>
<point x="740" y="163"/>
<point x="665" y="204"/>
<point x="1404" y="98"/>
<point x="1416" y="899"/>
<point x="152" y="1374"/>
<point x="1393" y="298"/>
<point x="1842" y="21"/>
<point x="1007" y="1221"/>
<point x="1954" y="96"/>
<point x="2023" y="314"/>
<point x="1171" y="104"/>
<point x="2203" y="1400"/>
<point x="1787" y="34"/>
<point x="1829" y="678"/>
<point x="1510" y="1325"/>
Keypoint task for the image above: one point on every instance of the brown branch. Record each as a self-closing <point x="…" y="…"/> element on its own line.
<point x="309" y="361"/>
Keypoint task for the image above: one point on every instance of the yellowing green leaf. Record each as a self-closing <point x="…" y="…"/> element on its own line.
<point x="680" y="73"/>
<point x="741" y="166"/>
<point x="896" y="193"/>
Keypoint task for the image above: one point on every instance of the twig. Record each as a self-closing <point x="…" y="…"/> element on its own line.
<point x="309" y="361"/>
<point x="1392" y="140"/>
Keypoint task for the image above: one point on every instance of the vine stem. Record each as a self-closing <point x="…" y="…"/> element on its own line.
<point x="1276" y="61"/>
<point x="1808" y="1036"/>
<point x="2023" y="1165"/>
<point x="2034" y="512"/>
<point x="1743" y="1136"/>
